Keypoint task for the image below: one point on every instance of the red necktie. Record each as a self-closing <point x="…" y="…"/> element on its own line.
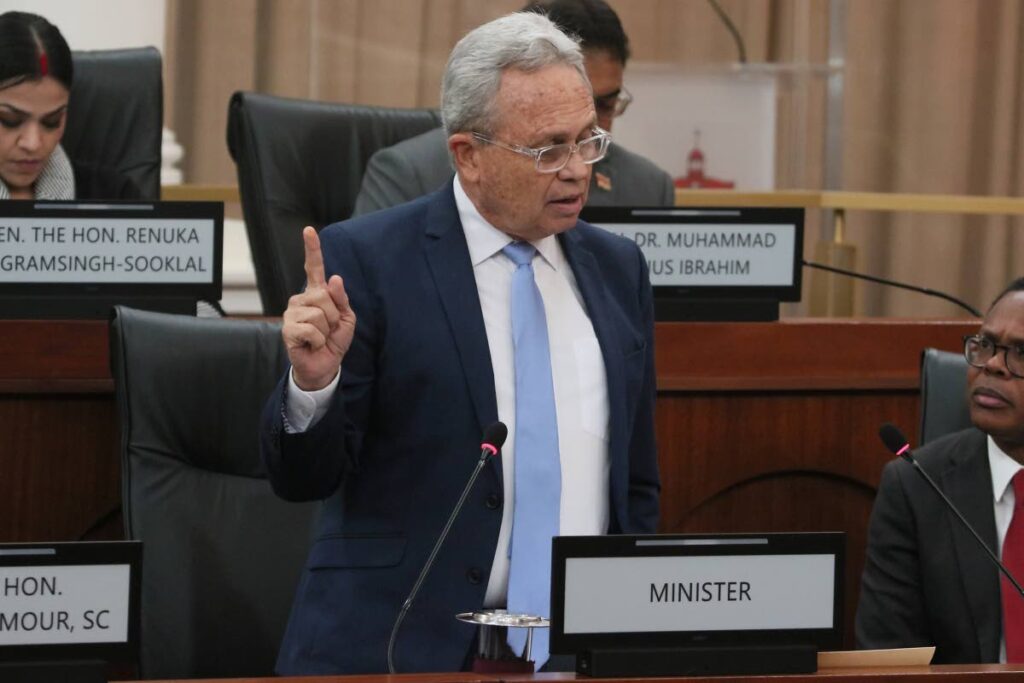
<point x="1013" y="558"/>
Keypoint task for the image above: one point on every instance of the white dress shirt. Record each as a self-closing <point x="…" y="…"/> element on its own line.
<point x="1003" y="469"/>
<point x="578" y="375"/>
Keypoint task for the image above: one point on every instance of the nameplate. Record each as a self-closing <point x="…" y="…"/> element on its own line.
<point x="709" y="255"/>
<point x="78" y="259"/>
<point x="81" y="246"/>
<point x="669" y="590"/>
<point x="69" y="596"/>
<point x="714" y="252"/>
<point x="692" y="593"/>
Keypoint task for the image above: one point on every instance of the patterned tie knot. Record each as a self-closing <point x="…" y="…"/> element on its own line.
<point x="1018" y="489"/>
<point x="521" y="253"/>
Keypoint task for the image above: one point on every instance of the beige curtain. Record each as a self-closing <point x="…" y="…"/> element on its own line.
<point x="932" y="102"/>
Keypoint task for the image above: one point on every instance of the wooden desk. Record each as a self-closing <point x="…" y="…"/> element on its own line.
<point x="774" y="427"/>
<point x="760" y="426"/>
<point x="997" y="673"/>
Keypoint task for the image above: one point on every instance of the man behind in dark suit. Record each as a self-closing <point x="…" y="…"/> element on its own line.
<point x="382" y="418"/>
<point x="421" y="164"/>
<point x="926" y="582"/>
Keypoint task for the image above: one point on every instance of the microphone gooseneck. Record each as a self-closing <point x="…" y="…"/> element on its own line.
<point x="893" y="283"/>
<point x="894" y="440"/>
<point x="493" y="439"/>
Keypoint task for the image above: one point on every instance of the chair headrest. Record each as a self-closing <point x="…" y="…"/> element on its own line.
<point x="115" y="122"/>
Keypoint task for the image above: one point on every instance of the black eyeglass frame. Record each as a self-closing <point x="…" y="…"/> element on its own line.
<point x="1006" y="348"/>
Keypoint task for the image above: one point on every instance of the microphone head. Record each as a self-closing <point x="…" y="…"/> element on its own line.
<point x="495" y="435"/>
<point x="893" y="438"/>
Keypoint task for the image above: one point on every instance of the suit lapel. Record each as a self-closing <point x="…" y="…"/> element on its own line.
<point x="968" y="483"/>
<point x="609" y="331"/>
<point x="452" y="270"/>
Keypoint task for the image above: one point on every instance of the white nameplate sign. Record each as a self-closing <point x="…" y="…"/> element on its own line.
<point x="64" y="604"/>
<point x="699" y="593"/>
<point x="714" y="255"/>
<point x="689" y="604"/>
<point x="77" y="249"/>
<point x="70" y="601"/>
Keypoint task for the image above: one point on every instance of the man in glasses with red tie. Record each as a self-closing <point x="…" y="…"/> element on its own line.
<point x="926" y="581"/>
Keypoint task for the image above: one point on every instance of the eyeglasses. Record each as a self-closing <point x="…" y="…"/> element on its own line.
<point x="978" y="351"/>
<point x="553" y="158"/>
<point x="613" y="105"/>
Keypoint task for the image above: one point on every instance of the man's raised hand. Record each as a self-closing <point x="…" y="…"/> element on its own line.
<point x="318" y="323"/>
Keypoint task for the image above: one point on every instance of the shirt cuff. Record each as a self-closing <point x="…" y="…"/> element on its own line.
<point x="303" y="409"/>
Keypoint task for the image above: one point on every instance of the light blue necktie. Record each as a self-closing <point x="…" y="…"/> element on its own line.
<point x="538" y="474"/>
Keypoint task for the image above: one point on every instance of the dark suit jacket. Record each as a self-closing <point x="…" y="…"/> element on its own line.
<point x="926" y="581"/>
<point x="402" y="437"/>
<point x="419" y="165"/>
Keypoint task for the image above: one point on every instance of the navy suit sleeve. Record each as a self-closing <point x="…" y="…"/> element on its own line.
<point x="644" y="483"/>
<point x="891" y="611"/>
<point x="305" y="466"/>
<point x="312" y="464"/>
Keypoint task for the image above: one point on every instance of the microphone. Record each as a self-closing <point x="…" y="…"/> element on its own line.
<point x="894" y="440"/>
<point x="494" y="439"/>
<point x="892" y="283"/>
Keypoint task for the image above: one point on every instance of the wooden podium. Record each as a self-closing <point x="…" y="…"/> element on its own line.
<point x="760" y="426"/>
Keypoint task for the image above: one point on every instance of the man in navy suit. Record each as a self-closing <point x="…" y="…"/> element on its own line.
<point x="381" y="417"/>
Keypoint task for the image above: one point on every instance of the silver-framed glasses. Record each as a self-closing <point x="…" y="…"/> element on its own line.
<point x="553" y="158"/>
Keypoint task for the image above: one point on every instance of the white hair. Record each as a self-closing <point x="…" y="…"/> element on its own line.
<point x="526" y="41"/>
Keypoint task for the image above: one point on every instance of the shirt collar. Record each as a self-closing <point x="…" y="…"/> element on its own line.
<point x="1003" y="469"/>
<point x="484" y="240"/>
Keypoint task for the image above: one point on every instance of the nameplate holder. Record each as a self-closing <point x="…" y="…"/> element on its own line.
<point x="68" y="610"/>
<point x="78" y="259"/>
<point x="679" y="605"/>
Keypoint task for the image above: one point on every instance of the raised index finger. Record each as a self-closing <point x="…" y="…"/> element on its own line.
<point x="314" y="259"/>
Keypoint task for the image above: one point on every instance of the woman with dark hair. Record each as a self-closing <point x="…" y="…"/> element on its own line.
<point x="35" y="83"/>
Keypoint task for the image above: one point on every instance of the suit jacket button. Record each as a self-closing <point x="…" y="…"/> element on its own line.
<point x="493" y="501"/>
<point x="474" y="576"/>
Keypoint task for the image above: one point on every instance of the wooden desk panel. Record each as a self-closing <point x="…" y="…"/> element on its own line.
<point x="54" y="357"/>
<point x="59" y="471"/>
<point x="760" y="426"/>
<point x="774" y="427"/>
<point x="802" y="353"/>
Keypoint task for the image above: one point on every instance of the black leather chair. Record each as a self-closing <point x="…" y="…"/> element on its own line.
<point x="943" y="394"/>
<point x="301" y="163"/>
<point x="221" y="553"/>
<point x="115" y="124"/>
